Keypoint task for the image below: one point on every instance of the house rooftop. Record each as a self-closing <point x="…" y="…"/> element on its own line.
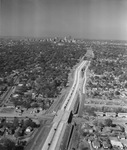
<point x="106" y="144"/>
<point x="116" y="143"/>
<point x="124" y="142"/>
<point x="96" y="143"/>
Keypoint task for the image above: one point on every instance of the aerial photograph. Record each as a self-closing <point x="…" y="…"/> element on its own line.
<point x="63" y="74"/>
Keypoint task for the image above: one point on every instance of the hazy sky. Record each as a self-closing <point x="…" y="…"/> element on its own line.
<point x="97" y="19"/>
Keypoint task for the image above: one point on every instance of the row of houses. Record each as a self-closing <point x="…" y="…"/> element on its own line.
<point x="111" y="114"/>
<point x="114" y="142"/>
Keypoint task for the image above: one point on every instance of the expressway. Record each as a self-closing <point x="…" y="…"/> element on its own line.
<point x="85" y="78"/>
<point x="55" y="135"/>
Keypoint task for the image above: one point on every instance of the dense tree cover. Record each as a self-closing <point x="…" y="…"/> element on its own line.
<point x="48" y="55"/>
<point x="43" y="69"/>
<point x="108" y="122"/>
<point x="109" y="72"/>
<point x="17" y="129"/>
<point x="44" y="66"/>
<point x="110" y="58"/>
<point x="7" y="144"/>
<point x="15" y="124"/>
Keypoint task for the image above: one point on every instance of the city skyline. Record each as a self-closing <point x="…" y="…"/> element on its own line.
<point x="90" y="19"/>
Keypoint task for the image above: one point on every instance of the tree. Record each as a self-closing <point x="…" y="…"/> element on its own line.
<point x="100" y="124"/>
<point x="108" y="122"/>
<point x="125" y="85"/>
<point x="26" y="104"/>
<point x="27" y="123"/>
<point x="95" y="122"/>
<point x="117" y="92"/>
<point x="7" y="144"/>
<point x="91" y="112"/>
<point x="34" y="105"/>
<point x="16" y="122"/>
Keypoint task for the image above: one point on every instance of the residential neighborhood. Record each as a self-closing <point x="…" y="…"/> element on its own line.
<point x="30" y="89"/>
<point x="104" y="119"/>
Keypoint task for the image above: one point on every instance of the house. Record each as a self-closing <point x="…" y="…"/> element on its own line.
<point x="15" y="95"/>
<point x="19" y="111"/>
<point x="107" y="130"/>
<point x="99" y="114"/>
<point x="118" y="128"/>
<point x="91" y="138"/>
<point x="9" y="120"/>
<point x="122" y="137"/>
<point x="86" y="126"/>
<point x="114" y="142"/>
<point x="110" y="114"/>
<point x="122" y="115"/>
<point x="20" y="84"/>
<point x="28" y="130"/>
<point x="124" y="142"/>
<point x="96" y="144"/>
<point x="18" y="107"/>
<point x="86" y="130"/>
<point x="116" y="133"/>
<point x="106" y="144"/>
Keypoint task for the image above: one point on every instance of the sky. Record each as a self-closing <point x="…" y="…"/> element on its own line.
<point x="90" y="19"/>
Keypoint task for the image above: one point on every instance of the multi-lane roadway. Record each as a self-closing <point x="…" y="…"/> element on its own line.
<point x="84" y="83"/>
<point x="54" y="137"/>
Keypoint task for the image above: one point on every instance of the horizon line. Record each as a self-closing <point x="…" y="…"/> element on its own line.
<point x="15" y="36"/>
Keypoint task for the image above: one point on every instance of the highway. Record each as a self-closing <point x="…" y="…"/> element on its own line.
<point x="84" y="83"/>
<point x="54" y="137"/>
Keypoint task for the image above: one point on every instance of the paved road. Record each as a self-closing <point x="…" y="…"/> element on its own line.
<point x="51" y="141"/>
<point x="55" y="135"/>
<point x="7" y="115"/>
<point x="39" y="137"/>
<point x="42" y="136"/>
<point x="9" y="92"/>
<point x="56" y="106"/>
<point x="85" y="78"/>
<point x="104" y="105"/>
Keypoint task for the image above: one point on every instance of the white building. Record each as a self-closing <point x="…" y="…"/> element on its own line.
<point x="122" y="115"/>
<point x="116" y="143"/>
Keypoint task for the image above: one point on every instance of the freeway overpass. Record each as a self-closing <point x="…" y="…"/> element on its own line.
<point x="55" y="135"/>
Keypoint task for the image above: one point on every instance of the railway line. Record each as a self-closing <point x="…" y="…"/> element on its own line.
<point x="53" y="139"/>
